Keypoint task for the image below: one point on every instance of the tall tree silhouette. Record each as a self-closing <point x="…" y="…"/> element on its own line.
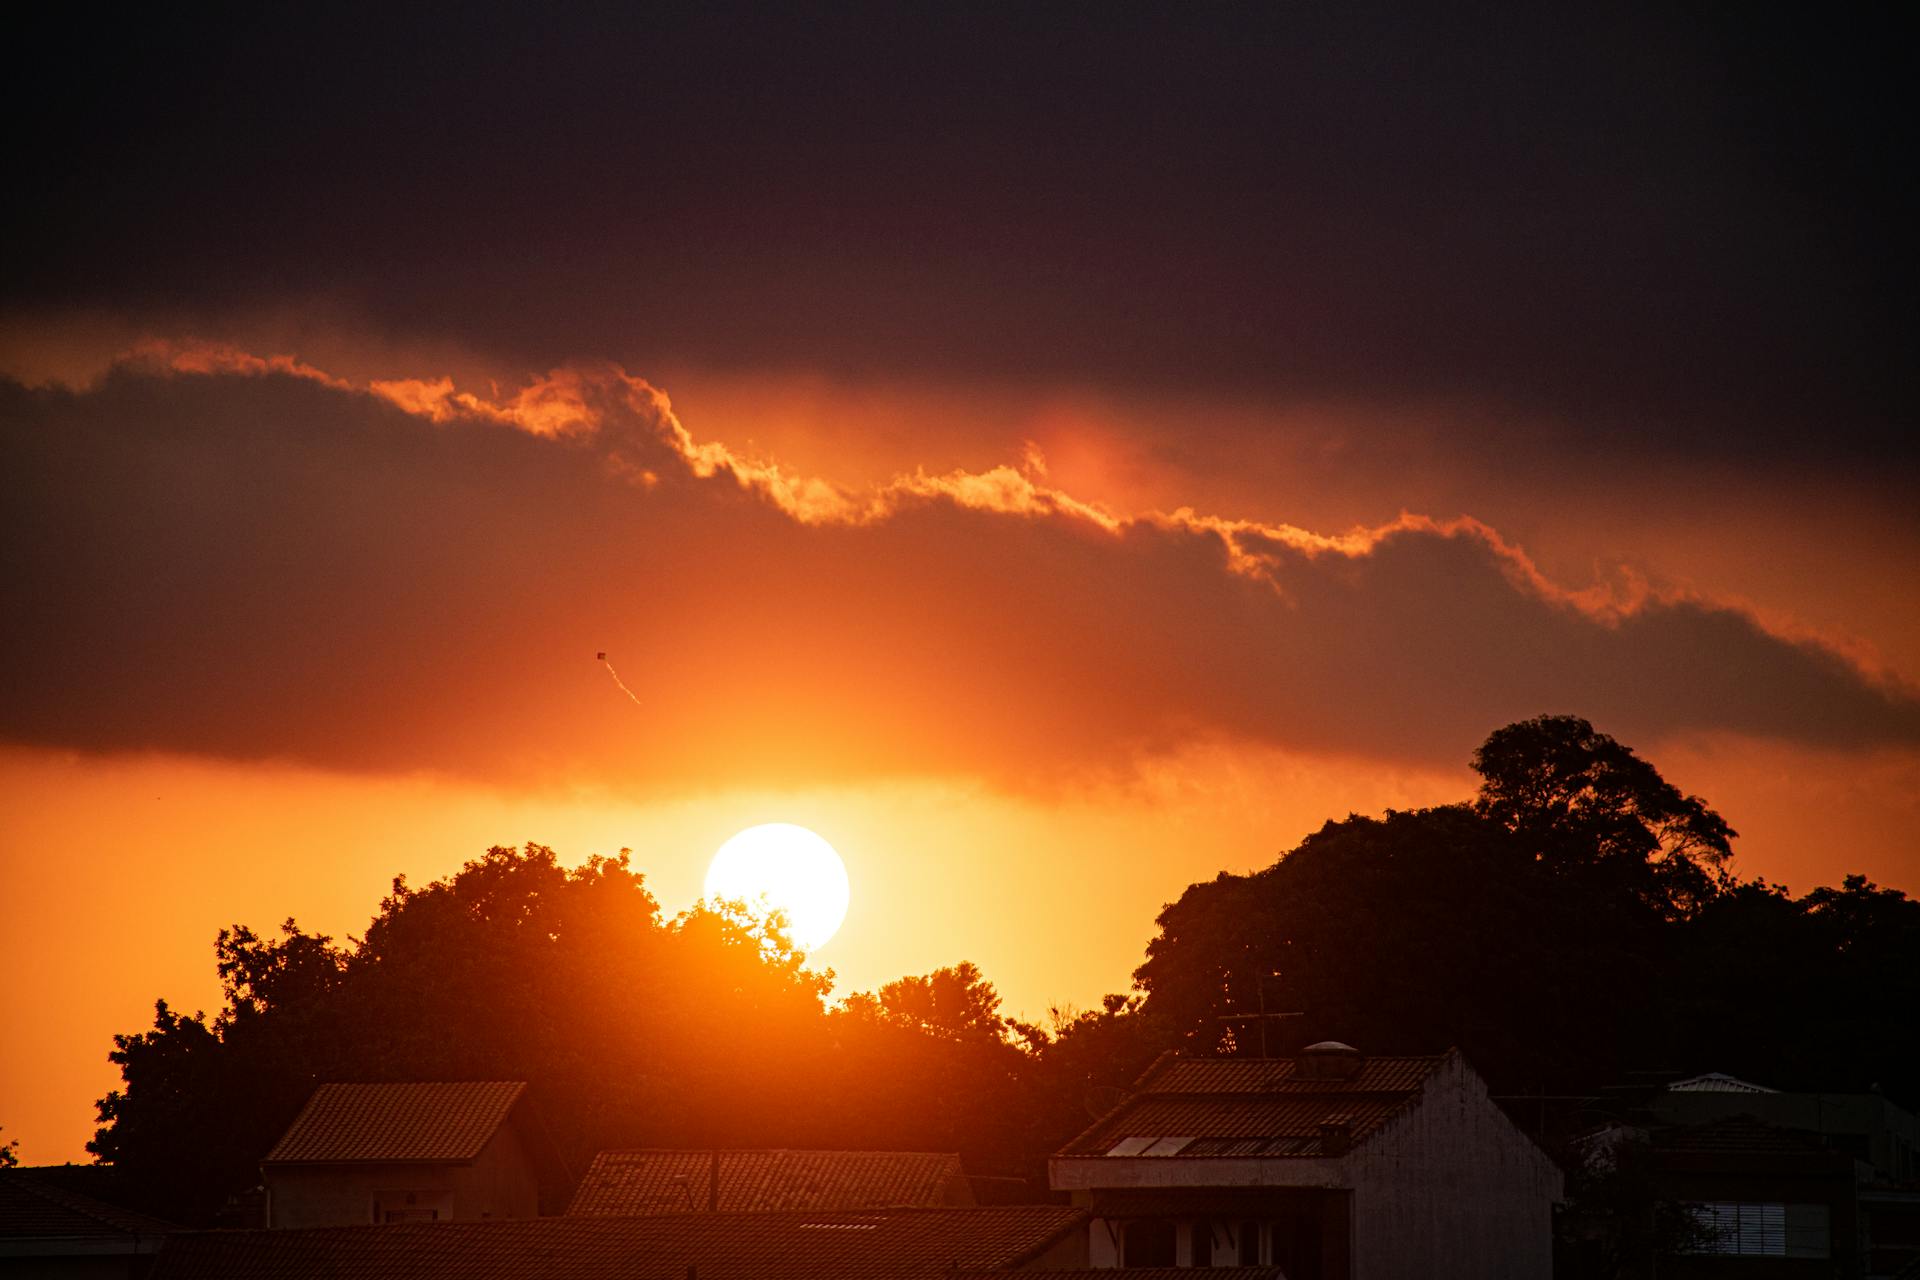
<point x="1576" y="919"/>
<point x="1588" y="807"/>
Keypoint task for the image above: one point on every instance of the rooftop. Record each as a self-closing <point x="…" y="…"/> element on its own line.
<point x="898" y="1244"/>
<point x="1263" y="1107"/>
<point x="34" y="1208"/>
<point x="425" y="1122"/>
<point x="654" y="1182"/>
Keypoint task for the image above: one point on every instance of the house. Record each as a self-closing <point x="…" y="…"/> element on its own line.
<point x="888" y="1244"/>
<point x="49" y="1230"/>
<point x="645" y="1182"/>
<point x="1818" y="1183"/>
<point x="457" y="1151"/>
<point x="1751" y="1192"/>
<point x="1867" y="1126"/>
<point x="1331" y="1165"/>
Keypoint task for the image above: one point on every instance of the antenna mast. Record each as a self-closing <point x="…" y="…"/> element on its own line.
<point x="1263" y="1017"/>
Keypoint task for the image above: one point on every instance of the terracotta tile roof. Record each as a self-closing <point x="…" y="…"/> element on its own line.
<point x="634" y="1182"/>
<point x="898" y="1244"/>
<point x="1281" y="1075"/>
<point x="403" y="1123"/>
<point x="32" y="1208"/>
<point x="1190" y="1107"/>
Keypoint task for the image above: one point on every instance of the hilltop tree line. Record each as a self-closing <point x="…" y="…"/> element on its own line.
<point x="1576" y="920"/>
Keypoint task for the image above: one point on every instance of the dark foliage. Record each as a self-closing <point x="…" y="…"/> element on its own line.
<point x="1576" y="921"/>
<point x="703" y="1030"/>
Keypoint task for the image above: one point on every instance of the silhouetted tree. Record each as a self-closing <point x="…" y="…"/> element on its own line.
<point x="928" y="1062"/>
<point x="1615" y="1223"/>
<point x="633" y="1029"/>
<point x="1815" y="992"/>
<point x="1407" y="933"/>
<point x="1586" y="806"/>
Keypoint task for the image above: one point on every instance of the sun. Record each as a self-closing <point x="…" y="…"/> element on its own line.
<point x="778" y="866"/>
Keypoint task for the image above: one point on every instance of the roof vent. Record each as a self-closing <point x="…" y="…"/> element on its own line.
<point x="1329" y="1060"/>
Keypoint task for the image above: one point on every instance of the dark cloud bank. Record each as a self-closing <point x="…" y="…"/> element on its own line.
<point x="1668" y="225"/>
<point x="270" y="567"/>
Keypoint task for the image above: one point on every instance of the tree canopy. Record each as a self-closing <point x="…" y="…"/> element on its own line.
<point x="706" y="1029"/>
<point x="1575" y="920"/>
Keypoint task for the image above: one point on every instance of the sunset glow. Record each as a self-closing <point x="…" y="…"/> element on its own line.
<point x="780" y="867"/>
<point x="1019" y="465"/>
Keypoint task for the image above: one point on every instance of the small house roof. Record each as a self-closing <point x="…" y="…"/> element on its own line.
<point x="1264" y="1107"/>
<point x="402" y="1123"/>
<point x="34" y="1208"/>
<point x="894" y="1244"/>
<point x="643" y="1181"/>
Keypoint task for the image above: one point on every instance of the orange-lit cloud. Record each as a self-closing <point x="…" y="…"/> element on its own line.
<point x="242" y="557"/>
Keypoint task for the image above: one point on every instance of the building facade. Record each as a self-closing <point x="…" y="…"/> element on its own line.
<point x="459" y="1151"/>
<point x="1331" y="1165"/>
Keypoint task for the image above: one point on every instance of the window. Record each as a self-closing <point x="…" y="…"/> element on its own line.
<point x="1200" y="1238"/>
<point x="1763" y="1230"/>
<point x="1148" y="1242"/>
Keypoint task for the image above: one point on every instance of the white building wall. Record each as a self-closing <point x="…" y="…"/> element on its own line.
<point x="1452" y="1190"/>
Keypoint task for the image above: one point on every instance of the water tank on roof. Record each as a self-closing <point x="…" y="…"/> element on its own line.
<point x="1330" y="1060"/>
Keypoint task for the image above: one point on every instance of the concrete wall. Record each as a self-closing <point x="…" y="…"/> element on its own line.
<point x="1451" y="1188"/>
<point x="499" y="1183"/>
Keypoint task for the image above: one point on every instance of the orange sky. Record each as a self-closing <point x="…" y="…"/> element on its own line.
<point x="1026" y="695"/>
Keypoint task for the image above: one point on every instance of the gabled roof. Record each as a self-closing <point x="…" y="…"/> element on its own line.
<point x="420" y="1122"/>
<point x="34" y="1208"/>
<point x="898" y="1244"/>
<point x="1264" y="1107"/>
<point x="635" y="1182"/>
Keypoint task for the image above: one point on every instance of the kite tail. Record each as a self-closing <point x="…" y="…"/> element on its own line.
<point x="617" y="680"/>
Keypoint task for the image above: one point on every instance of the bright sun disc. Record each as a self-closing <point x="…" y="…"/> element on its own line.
<point x="780" y="866"/>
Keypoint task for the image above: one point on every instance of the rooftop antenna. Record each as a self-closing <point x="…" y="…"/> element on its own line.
<point x="1263" y="1018"/>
